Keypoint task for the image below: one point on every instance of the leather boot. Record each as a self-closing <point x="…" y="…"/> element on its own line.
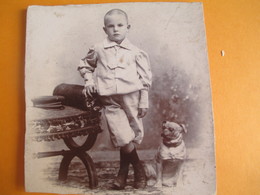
<point x="140" y="181"/>
<point x="120" y="180"/>
<point x="139" y="176"/>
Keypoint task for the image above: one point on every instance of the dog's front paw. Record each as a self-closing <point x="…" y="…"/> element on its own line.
<point x="151" y="182"/>
<point x="158" y="184"/>
<point x="169" y="184"/>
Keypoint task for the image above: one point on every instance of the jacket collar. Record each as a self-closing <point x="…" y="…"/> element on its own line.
<point x="125" y="44"/>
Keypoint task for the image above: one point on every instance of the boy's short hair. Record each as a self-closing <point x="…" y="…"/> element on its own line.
<point x="115" y="11"/>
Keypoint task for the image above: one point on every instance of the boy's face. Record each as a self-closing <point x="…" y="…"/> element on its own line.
<point x="116" y="27"/>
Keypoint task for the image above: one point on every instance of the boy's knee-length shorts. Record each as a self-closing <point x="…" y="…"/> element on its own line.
<point x="121" y="114"/>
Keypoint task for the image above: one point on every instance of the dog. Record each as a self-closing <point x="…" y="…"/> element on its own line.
<point x="169" y="158"/>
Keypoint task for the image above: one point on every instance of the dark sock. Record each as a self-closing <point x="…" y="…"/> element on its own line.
<point x="133" y="157"/>
<point x="124" y="158"/>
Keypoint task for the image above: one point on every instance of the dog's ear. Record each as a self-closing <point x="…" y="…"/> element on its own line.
<point x="184" y="128"/>
<point x="164" y="123"/>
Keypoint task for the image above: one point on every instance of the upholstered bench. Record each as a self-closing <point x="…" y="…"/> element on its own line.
<point x="66" y="114"/>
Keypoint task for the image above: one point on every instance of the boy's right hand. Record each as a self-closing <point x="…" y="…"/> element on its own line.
<point x="142" y="112"/>
<point x="89" y="90"/>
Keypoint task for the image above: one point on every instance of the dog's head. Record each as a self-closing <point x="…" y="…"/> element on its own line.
<point x="172" y="129"/>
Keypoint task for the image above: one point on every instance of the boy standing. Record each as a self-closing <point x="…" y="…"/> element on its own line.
<point x="120" y="73"/>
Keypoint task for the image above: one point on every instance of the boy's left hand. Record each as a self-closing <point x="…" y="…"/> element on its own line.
<point x="142" y="112"/>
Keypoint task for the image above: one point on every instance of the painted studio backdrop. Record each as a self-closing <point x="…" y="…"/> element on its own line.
<point x="173" y="35"/>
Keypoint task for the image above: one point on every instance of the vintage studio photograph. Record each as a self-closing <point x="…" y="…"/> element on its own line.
<point x="118" y="100"/>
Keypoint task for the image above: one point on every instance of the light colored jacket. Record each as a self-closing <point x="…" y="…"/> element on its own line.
<point x="117" y="69"/>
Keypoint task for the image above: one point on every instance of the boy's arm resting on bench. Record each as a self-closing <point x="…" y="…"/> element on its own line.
<point x="86" y="68"/>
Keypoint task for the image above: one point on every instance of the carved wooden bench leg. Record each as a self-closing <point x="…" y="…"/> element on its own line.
<point x="64" y="166"/>
<point x="87" y="161"/>
<point x="92" y="174"/>
<point x="80" y="152"/>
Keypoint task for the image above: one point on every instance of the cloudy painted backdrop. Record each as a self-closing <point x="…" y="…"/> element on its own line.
<point x="173" y="34"/>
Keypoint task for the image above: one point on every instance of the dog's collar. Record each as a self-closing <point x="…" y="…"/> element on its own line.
<point x="169" y="145"/>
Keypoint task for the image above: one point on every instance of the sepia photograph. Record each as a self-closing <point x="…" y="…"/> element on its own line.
<point x="118" y="100"/>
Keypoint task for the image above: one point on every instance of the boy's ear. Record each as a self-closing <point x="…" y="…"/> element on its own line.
<point x="184" y="128"/>
<point x="128" y="26"/>
<point x="104" y="28"/>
